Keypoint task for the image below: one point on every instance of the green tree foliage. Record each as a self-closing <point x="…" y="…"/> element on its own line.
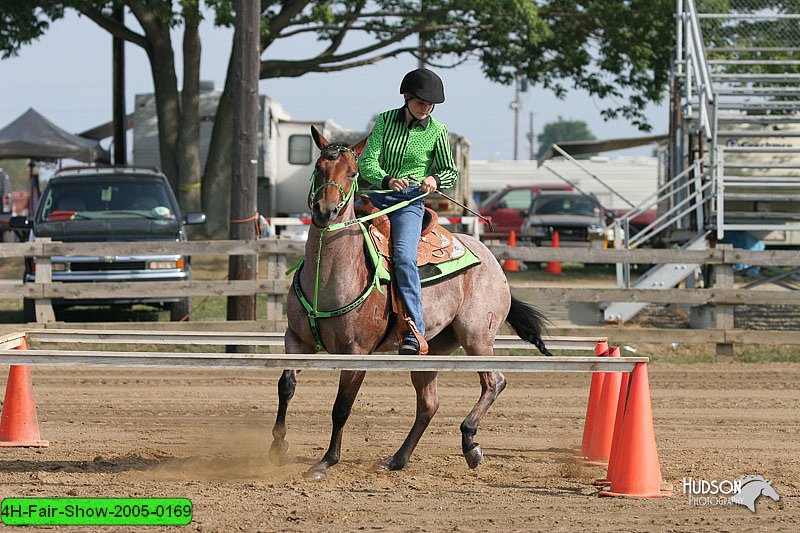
<point x="617" y="50"/>
<point x="563" y="130"/>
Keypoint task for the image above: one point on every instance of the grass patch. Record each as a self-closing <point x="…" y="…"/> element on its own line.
<point x="769" y="354"/>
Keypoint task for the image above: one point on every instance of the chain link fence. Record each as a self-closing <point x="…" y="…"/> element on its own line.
<point x="751" y="28"/>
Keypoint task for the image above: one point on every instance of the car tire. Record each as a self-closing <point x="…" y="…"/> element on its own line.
<point x="180" y="309"/>
<point x="28" y="310"/>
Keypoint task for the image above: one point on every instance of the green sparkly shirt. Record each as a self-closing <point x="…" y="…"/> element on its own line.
<point x="397" y="150"/>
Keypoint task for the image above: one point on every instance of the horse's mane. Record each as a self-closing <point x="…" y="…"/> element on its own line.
<point x="749" y="479"/>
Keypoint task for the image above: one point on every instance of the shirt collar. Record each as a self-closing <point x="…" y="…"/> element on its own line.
<point x="401" y="117"/>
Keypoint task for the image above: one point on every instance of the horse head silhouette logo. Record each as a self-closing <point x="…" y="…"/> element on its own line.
<point x="751" y="488"/>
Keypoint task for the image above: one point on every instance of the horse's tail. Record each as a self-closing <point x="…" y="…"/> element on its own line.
<point x="528" y="323"/>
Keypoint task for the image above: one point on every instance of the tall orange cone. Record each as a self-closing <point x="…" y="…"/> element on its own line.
<point x="511" y="265"/>
<point x="601" y="350"/>
<point x="621" y="399"/>
<point x="603" y="430"/>
<point x="19" y="425"/>
<point x="636" y="469"/>
<point x="554" y="267"/>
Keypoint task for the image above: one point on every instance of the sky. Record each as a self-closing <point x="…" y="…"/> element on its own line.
<point x="66" y="76"/>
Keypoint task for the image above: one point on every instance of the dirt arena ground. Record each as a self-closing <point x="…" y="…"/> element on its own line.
<point x="203" y="435"/>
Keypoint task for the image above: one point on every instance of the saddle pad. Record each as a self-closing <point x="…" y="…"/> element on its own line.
<point x="433" y="272"/>
<point x="461" y="259"/>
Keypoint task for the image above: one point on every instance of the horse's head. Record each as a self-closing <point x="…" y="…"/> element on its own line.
<point x="769" y="491"/>
<point x="334" y="180"/>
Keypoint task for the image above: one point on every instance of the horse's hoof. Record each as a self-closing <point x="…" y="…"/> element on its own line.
<point x="279" y="452"/>
<point x="314" y="474"/>
<point x="392" y="463"/>
<point x="474" y="457"/>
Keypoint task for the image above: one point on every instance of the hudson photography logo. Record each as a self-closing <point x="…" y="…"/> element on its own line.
<point x="743" y="491"/>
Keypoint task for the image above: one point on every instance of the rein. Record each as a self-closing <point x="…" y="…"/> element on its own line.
<point x="380" y="273"/>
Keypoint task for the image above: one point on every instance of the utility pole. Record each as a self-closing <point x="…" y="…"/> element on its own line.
<point x="515" y="105"/>
<point x="531" y="136"/>
<point x="119" y="118"/>
<point x="245" y="152"/>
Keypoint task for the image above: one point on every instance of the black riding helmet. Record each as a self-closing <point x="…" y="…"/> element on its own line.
<point x="423" y="84"/>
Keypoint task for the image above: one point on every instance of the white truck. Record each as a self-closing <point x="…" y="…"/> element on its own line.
<point x="286" y="152"/>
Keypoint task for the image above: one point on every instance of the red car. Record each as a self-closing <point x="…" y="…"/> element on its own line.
<point x="508" y="207"/>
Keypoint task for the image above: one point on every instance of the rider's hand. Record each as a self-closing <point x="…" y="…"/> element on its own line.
<point x="428" y="184"/>
<point x="398" y="184"/>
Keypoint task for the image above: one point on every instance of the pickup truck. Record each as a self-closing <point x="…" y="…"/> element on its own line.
<point x="507" y="207"/>
<point x="110" y="204"/>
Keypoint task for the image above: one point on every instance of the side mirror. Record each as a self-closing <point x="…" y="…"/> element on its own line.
<point x="523" y="213"/>
<point x="194" y="218"/>
<point x="20" y="223"/>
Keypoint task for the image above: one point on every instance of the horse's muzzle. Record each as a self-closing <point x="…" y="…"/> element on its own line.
<point x="322" y="218"/>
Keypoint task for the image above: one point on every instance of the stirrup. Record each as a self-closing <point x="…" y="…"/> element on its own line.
<point x="422" y="345"/>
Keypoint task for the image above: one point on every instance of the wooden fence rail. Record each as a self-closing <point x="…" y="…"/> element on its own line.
<point x="280" y="252"/>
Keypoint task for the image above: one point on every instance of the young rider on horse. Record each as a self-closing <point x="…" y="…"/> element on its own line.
<point x="408" y="152"/>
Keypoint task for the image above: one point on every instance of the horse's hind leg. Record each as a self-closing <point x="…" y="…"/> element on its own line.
<point x="425" y="383"/>
<point x="349" y="384"/>
<point x="492" y="384"/>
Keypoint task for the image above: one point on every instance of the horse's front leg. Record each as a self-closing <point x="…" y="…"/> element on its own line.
<point x="279" y="450"/>
<point x="492" y="384"/>
<point x="425" y="383"/>
<point x="349" y="385"/>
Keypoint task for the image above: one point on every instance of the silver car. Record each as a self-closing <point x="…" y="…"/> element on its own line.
<point x="578" y="218"/>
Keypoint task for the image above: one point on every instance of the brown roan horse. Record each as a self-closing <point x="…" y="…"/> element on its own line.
<point x="465" y="310"/>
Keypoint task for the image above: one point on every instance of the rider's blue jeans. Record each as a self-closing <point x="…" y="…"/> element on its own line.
<point x="406" y="229"/>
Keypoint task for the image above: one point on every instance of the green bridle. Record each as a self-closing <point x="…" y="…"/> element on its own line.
<point x="313" y="192"/>
<point x="380" y="273"/>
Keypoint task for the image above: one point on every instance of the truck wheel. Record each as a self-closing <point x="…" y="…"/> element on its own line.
<point x="180" y="309"/>
<point x="29" y="310"/>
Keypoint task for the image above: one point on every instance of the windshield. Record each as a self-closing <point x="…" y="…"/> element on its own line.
<point x="113" y="198"/>
<point x="491" y="198"/>
<point x="565" y="205"/>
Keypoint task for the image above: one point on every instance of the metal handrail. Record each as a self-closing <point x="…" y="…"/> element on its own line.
<point x="659" y="224"/>
<point x="654" y="198"/>
<point x="697" y="69"/>
<point x="653" y="228"/>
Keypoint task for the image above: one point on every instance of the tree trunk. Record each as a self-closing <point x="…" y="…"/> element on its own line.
<point x="189" y="137"/>
<point x="217" y="176"/>
<point x="165" y="83"/>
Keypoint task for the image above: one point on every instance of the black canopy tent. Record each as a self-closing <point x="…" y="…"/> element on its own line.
<point x="31" y="136"/>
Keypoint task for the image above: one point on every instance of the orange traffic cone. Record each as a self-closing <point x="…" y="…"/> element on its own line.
<point x="19" y="425"/>
<point x="511" y="265"/>
<point x="601" y="350"/>
<point x="603" y="431"/>
<point x="621" y="399"/>
<point x="636" y="471"/>
<point x="554" y="267"/>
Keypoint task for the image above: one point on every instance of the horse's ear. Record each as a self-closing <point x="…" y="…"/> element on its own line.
<point x="319" y="140"/>
<point x="359" y="146"/>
